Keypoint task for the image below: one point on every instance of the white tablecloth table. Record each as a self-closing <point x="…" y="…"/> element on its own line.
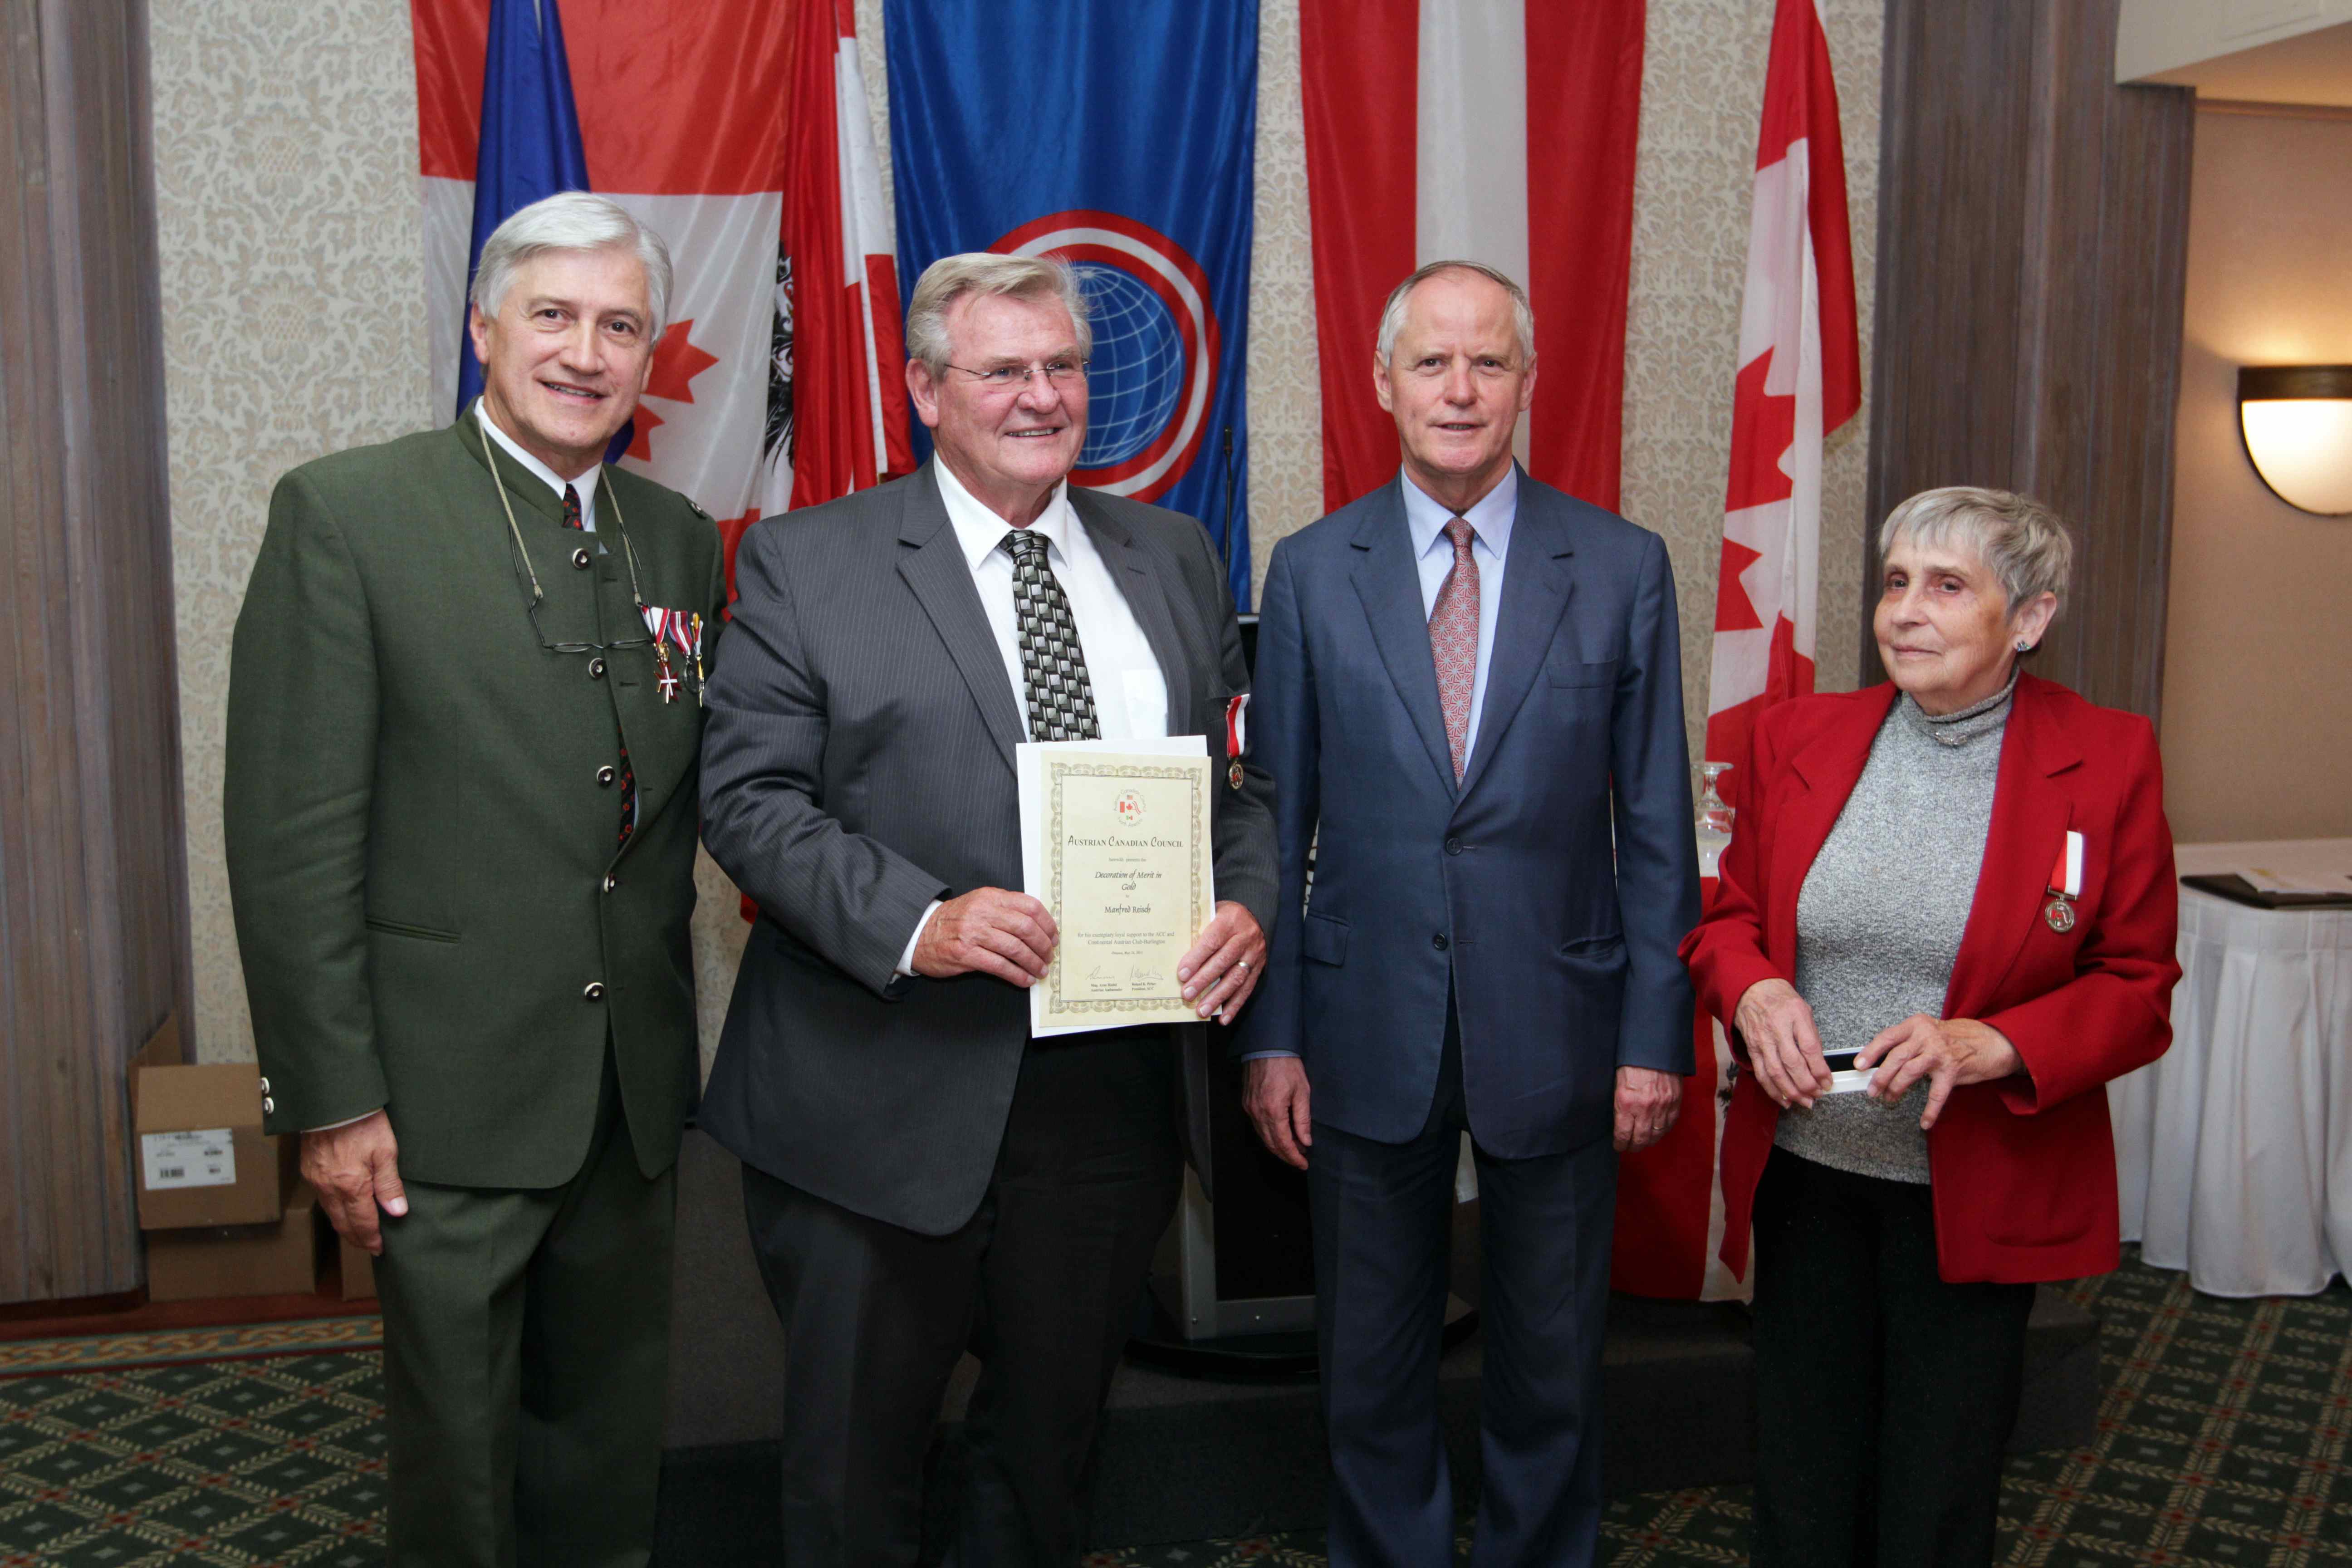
<point x="2233" y="1152"/>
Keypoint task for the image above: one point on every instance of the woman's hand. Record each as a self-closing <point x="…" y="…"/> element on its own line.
<point x="1782" y="1045"/>
<point x="1946" y="1052"/>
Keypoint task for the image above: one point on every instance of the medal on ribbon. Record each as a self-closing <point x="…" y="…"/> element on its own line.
<point x="1234" y="733"/>
<point x="659" y="623"/>
<point x="2066" y="885"/>
<point x="701" y="684"/>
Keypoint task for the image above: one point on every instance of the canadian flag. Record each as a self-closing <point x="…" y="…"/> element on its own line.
<point x="1799" y="378"/>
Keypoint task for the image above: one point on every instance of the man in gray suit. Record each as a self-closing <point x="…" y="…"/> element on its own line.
<point x="920" y="1176"/>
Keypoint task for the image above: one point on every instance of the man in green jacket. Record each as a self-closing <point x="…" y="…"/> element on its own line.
<point x="464" y="708"/>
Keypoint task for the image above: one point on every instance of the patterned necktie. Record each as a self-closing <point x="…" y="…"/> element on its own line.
<point x="571" y="518"/>
<point x="1454" y="640"/>
<point x="1061" y="698"/>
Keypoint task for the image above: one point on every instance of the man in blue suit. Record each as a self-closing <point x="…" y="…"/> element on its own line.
<point x="1465" y="681"/>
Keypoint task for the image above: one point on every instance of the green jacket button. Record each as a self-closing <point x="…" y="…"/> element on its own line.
<point x="592" y="992"/>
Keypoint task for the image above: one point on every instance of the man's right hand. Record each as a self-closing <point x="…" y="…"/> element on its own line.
<point x="988" y="931"/>
<point x="1275" y="1093"/>
<point x="1783" y="1047"/>
<point x="355" y="1171"/>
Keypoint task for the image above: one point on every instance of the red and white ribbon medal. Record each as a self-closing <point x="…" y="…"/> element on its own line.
<point x="658" y="623"/>
<point x="1235" y="733"/>
<point x="2066" y="885"/>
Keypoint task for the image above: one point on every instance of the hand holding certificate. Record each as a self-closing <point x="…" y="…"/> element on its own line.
<point x="1115" y="840"/>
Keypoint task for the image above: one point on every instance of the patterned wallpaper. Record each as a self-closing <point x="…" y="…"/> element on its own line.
<point x="294" y="325"/>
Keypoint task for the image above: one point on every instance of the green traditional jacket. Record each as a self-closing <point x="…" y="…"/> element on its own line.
<point x="423" y="807"/>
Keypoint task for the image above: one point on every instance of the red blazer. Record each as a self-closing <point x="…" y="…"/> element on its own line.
<point x="2024" y="1171"/>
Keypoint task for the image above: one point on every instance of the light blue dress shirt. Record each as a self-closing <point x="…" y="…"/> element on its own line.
<point x="1490" y="545"/>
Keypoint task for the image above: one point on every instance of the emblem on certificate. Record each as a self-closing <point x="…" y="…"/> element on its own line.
<point x="1115" y="840"/>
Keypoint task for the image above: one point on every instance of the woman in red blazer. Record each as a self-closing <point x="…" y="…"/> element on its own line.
<point x="1958" y="888"/>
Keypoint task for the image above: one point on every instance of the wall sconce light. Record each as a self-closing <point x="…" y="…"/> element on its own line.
<point x="2296" y="421"/>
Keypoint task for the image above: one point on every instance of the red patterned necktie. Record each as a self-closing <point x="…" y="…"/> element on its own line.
<point x="1454" y="640"/>
<point x="571" y="518"/>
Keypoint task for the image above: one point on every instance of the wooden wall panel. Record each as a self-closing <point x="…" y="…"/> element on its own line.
<point x="93" y="898"/>
<point x="2033" y="221"/>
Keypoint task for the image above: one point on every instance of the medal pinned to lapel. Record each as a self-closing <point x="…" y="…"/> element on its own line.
<point x="1234" y="733"/>
<point x="701" y="685"/>
<point x="2066" y="885"/>
<point x="662" y="623"/>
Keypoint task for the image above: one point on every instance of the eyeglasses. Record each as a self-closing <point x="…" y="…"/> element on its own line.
<point x="539" y="594"/>
<point x="1059" y="372"/>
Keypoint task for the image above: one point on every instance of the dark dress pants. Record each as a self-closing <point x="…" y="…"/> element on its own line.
<point x="1883" y="1396"/>
<point x="526" y="1350"/>
<point x="1040" y="1284"/>
<point x="1383" y="1217"/>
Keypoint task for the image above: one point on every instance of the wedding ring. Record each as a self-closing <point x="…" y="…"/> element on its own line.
<point x="1241" y="963"/>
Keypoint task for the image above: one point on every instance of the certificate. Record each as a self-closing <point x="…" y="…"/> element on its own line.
<point x="1115" y="840"/>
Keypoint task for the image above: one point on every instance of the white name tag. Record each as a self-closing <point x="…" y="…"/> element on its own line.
<point x="203" y="1158"/>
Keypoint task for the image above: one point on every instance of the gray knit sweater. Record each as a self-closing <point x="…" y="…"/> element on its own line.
<point x="1880" y="917"/>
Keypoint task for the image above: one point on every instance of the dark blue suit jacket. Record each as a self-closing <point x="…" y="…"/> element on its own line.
<point x="1562" y="963"/>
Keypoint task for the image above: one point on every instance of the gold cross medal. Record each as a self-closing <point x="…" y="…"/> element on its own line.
<point x="701" y="682"/>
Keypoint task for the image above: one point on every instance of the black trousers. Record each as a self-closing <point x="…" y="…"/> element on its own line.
<point x="1383" y="1220"/>
<point x="1883" y="1396"/>
<point x="1039" y="1284"/>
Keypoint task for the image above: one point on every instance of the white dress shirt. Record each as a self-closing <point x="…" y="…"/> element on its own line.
<point x="1131" y="692"/>
<point x="585" y="484"/>
<point x="1490" y="546"/>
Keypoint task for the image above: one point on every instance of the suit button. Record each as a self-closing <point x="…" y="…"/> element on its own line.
<point x="267" y="1105"/>
<point x="595" y="670"/>
<point x="1439" y="942"/>
<point x="605" y="776"/>
<point x="611" y="881"/>
<point x="592" y="992"/>
<point x="580" y="558"/>
<point x="264" y="1086"/>
<point x="1453" y="846"/>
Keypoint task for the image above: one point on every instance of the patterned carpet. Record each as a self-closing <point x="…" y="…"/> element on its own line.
<point x="2221" y="1442"/>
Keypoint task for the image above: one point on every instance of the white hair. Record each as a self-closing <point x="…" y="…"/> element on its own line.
<point x="1523" y="315"/>
<point x="572" y="220"/>
<point x="951" y="277"/>
<point x="2022" y="542"/>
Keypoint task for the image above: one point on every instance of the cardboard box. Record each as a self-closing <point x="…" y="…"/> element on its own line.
<point x="276" y="1259"/>
<point x="198" y="1152"/>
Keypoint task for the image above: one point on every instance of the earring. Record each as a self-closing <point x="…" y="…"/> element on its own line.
<point x="2024" y="647"/>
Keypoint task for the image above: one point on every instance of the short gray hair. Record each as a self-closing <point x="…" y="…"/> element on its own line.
<point x="951" y="277"/>
<point x="2026" y="544"/>
<point x="1523" y="315"/>
<point x="572" y="220"/>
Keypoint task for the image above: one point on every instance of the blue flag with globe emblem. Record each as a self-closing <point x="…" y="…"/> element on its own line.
<point x="1117" y="135"/>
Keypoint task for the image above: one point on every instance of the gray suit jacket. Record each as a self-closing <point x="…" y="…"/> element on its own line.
<point x="858" y="765"/>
